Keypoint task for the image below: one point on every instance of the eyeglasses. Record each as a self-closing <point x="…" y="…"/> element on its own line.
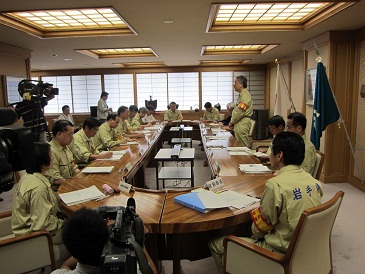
<point x="69" y="134"/>
<point x="288" y="127"/>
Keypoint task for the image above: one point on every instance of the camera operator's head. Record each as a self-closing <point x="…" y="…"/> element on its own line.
<point x="43" y="159"/>
<point x="85" y="233"/>
<point x="63" y="132"/>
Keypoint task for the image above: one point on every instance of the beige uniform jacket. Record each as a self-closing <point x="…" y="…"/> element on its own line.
<point x="284" y="199"/>
<point x="210" y="116"/>
<point x="169" y="115"/>
<point x="241" y="117"/>
<point x="34" y="206"/>
<point x="309" y="157"/>
<point x="105" y="138"/>
<point x="63" y="162"/>
<point x="82" y="147"/>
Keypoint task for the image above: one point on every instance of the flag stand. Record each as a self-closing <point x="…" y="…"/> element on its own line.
<point x="342" y="121"/>
<point x="279" y="72"/>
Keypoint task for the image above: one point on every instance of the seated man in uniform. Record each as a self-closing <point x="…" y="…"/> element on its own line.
<point x="149" y="116"/>
<point x="137" y="121"/>
<point x="276" y="124"/>
<point x="107" y="136"/>
<point x="284" y="199"/>
<point x="210" y="113"/>
<point x="124" y="129"/>
<point x="297" y="123"/>
<point x="66" y="114"/>
<point x="64" y="166"/>
<point x="83" y="147"/>
<point x="173" y="113"/>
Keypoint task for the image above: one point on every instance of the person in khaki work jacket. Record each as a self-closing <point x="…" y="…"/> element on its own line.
<point x="83" y="147"/>
<point x="173" y="113"/>
<point x="284" y="199"/>
<point x="210" y="113"/>
<point x="297" y="123"/>
<point x="64" y="166"/>
<point x="242" y="112"/>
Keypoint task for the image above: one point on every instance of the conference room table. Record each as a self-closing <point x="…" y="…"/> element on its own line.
<point x="175" y="231"/>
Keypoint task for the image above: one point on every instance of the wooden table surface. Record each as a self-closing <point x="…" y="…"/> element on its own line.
<point x="159" y="212"/>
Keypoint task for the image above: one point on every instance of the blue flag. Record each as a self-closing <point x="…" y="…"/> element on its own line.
<point x="325" y="110"/>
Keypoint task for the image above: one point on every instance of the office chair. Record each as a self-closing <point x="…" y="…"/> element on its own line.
<point x="309" y="250"/>
<point x="318" y="165"/>
<point x="20" y="254"/>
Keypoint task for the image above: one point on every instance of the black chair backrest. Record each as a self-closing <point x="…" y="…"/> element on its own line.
<point x="94" y="111"/>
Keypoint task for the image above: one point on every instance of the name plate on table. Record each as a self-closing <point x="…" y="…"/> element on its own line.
<point x="128" y="166"/>
<point x="125" y="187"/>
<point x="215" y="184"/>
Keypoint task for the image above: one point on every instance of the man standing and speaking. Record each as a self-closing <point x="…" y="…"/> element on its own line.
<point x="242" y="112"/>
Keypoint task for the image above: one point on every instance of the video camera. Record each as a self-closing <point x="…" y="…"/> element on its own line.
<point x="16" y="148"/>
<point x="126" y="241"/>
<point x="33" y="90"/>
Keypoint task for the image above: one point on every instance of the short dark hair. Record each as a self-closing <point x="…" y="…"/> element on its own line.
<point x="64" y="107"/>
<point x="133" y="108"/>
<point x="208" y="105"/>
<point x="111" y="116"/>
<point x="292" y="145"/>
<point x="104" y="93"/>
<point x="243" y="80"/>
<point x="41" y="157"/>
<point x="91" y="123"/>
<point x="298" y="119"/>
<point x="276" y="121"/>
<point x="142" y="110"/>
<point x="60" y="126"/>
<point x="84" y="234"/>
<point x="121" y="109"/>
<point x="151" y="108"/>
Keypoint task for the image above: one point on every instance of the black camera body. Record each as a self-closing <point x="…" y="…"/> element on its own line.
<point x="119" y="255"/>
<point x="33" y="90"/>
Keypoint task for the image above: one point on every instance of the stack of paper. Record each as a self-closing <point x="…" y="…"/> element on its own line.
<point x="117" y="155"/>
<point x="152" y="128"/>
<point x="254" y="168"/>
<point x="221" y="137"/>
<point x="101" y="169"/>
<point x="82" y="195"/>
<point x="238" y="148"/>
<point x="143" y="131"/>
<point x="204" y="200"/>
<point x="132" y="143"/>
<point x="217" y="129"/>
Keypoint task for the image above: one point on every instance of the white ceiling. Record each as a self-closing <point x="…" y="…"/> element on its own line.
<point x="176" y="44"/>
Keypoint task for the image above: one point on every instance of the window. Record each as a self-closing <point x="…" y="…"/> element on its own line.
<point x="63" y="98"/>
<point x="217" y="87"/>
<point x="86" y="90"/>
<point x="154" y="85"/>
<point x="183" y="88"/>
<point x="120" y="89"/>
<point x="12" y="88"/>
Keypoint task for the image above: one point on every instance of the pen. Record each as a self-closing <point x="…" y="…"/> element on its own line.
<point x="99" y="199"/>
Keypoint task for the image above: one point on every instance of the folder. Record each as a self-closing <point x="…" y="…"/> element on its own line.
<point x="192" y="201"/>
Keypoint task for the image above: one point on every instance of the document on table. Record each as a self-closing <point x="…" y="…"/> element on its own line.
<point x="143" y="131"/>
<point x="215" y="129"/>
<point x="254" y="168"/>
<point x="117" y="155"/>
<point x="132" y="143"/>
<point x="152" y="128"/>
<point x="238" y="148"/>
<point x="237" y="200"/>
<point x="101" y="169"/>
<point x="232" y="153"/>
<point x="82" y="195"/>
<point x="217" y="137"/>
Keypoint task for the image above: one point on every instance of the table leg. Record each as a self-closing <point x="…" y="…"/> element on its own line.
<point x="176" y="254"/>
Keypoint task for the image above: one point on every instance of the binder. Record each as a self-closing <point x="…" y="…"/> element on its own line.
<point x="192" y="201"/>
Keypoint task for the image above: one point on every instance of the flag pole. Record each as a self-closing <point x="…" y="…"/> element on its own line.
<point x="292" y="106"/>
<point x="341" y="121"/>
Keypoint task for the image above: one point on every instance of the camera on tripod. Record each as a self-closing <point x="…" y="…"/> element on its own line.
<point x="32" y="90"/>
<point x="126" y="241"/>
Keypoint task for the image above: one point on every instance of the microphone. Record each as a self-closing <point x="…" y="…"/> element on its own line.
<point x="8" y="116"/>
<point x="131" y="204"/>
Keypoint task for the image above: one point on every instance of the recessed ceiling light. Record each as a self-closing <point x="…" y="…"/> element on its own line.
<point x="168" y="21"/>
<point x="67" y="59"/>
<point x="54" y="55"/>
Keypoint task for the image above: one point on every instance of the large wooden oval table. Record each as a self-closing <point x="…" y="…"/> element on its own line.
<point x="176" y="232"/>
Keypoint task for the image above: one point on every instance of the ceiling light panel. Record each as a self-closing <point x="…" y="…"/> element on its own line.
<point x="118" y="52"/>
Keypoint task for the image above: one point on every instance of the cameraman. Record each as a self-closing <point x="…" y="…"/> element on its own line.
<point x="85" y="233"/>
<point x="31" y="109"/>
